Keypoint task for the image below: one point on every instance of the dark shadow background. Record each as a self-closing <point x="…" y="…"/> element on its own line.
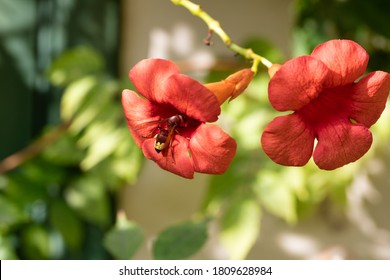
<point x="32" y="34"/>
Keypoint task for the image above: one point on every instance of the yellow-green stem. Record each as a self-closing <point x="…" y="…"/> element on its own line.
<point x="216" y="28"/>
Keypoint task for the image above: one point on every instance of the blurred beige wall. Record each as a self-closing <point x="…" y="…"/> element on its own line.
<point x="157" y="28"/>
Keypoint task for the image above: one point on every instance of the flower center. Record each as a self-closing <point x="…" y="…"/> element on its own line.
<point x="328" y="106"/>
<point x="168" y="127"/>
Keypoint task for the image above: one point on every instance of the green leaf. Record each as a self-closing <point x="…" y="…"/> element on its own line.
<point x="124" y="239"/>
<point x="10" y="213"/>
<point x="103" y="147"/>
<point x="180" y="241"/>
<point x="219" y="189"/>
<point x="74" y="64"/>
<point x="240" y="227"/>
<point x="240" y="176"/>
<point x="74" y="96"/>
<point x="102" y="125"/>
<point x="23" y="191"/>
<point x="67" y="223"/>
<point x="64" y="151"/>
<point x="7" y="249"/>
<point x="277" y="195"/>
<point x="35" y="243"/>
<point x="89" y="198"/>
<point x="123" y="166"/>
<point x="15" y="16"/>
<point x="98" y="105"/>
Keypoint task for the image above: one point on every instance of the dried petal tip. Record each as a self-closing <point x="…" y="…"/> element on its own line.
<point x="232" y="86"/>
<point x="273" y="69"/>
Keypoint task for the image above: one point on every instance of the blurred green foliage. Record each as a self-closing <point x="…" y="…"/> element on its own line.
<point x="366" y="22"/>
<point x="62" y="203"/>
<point x="124" y="239"/>
<point x="51" y="203"/>
<point x="180" y="241"/>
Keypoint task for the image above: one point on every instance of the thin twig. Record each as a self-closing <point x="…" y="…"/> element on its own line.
<point x="36" y="147"/>
<point x="215" y="27"/>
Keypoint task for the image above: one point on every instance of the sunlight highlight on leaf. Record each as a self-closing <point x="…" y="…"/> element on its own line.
<point x="74" y="95"/>
<point x="240" y="227"/>
<point x="275" y="196"/>
<point x="75" y="64"/>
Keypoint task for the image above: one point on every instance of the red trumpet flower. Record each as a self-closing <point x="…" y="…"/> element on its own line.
<point x="169" y="123"/>
<point x="329" y="105"/>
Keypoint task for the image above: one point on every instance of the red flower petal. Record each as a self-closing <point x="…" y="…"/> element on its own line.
<point x="191" y="98"/>
<point x="138" y="111"/>
<point x="149" y="76"/>
<point x="177" y="161"/>
<point x="345" y="59"/>
<point x="287" y="140"/>
<point x="340" y="143"/>
<point x="296" y="83"/>
<point x="160" y="82"/>
<point x="369" y="97"/>
<point x="212" y="149"/>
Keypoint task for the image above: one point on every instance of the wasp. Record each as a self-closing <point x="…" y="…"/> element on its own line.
<point x="166" y="130"/>
<point x="164" y="136"/>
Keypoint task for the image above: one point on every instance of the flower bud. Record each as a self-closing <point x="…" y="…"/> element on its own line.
<point x="232" y="86"/>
